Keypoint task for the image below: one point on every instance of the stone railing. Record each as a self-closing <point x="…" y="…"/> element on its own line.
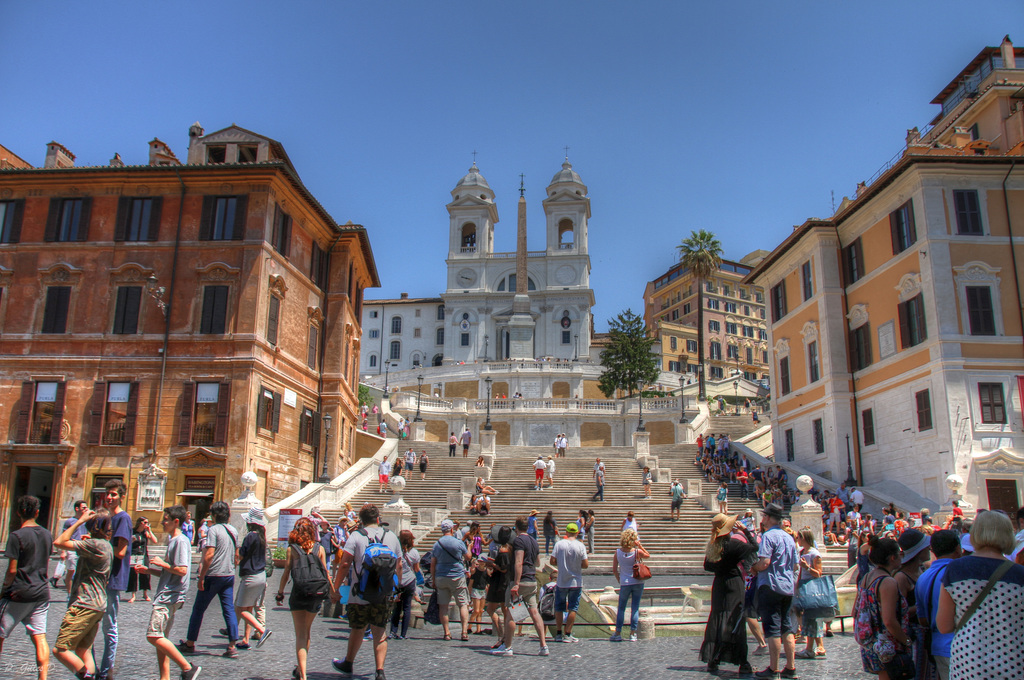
<point x="406" y="402"/>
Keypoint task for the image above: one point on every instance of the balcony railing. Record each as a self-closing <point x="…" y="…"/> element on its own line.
<point x="407" y="401"/>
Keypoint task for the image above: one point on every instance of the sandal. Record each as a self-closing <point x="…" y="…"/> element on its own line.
<point x="464" y="638"/>
<point x="447" y="636"/>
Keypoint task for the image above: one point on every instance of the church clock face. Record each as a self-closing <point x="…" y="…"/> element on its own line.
<point x="565" y="275"/>
<point x="466" y="277"/>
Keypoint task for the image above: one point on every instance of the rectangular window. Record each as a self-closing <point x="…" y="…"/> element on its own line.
<point x="207" y="408"/>
<point x="712" y="303"/>
<point x="673" y="366"/>
<point x="439" y="336"/>
<point x="762" y="334"/>
<point x="319" y="264"/>
<point x="10" y="220"/>
<point x="715" y="351"/>
<point x="764" y="356"/>
<point x="750" y="355"/>
<point x="691" y="346"/>
<point x="709" y="286"/>
<point x="759" y="299"/>
<point x="268" y="411"/>
<point x="714" y="326"/>
<point x="273" y="318"/>
<point x="309" y="428"/>
<point x="853" y="262"/>
<point x="860" y="347"/>
<point x="968" y="212"/>
<point x="373" y="314"/>
<point x="807" y="280"/>
<point x="733" y="352"/>
<point x="223" y="218"/>
<point x="686" y="308"/>
<point x="396" y="325"/>
<point x="778" y="301"/>
<point x="45" y="402"/>
<point x="726" y="291"/>
<point x="215" y="310"/>
<point x="673" y="343"/>
<point x="675" y="314"/>
<point x="993" y="408"/>
<point x="374" y="333"/>
<point x="812" y="361"/>
<point x="55" y="313"/>
<point x="126" y="310"/>
<point x="867" y="419"/>
<point x="819" y="436"/>
<point x="68" y="220"/>
<point x="901" y="227"/>
<point x="440" y="312"/>
<point x="748" y="331"/>
<point x="913" y="330"/>
<point x="980" y="312"/>
<point x="924" y="410"/>
<point x="464" y="339"/>
<point x="730" y="307"/>
<point x="115" y="416"/>
<point x="281" y="236"/>
<point x="790" y="446"/>
<point x="566" y="337"/>
<point x="716" y="373"/>
<point x="138" y="219"/>
<point x="416" y="332"/>
<point x="784" y="375"/>
<point x="312" y="345"/>
<point x="731" y="328"/>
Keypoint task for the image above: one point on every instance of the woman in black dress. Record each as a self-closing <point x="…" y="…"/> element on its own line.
<point x="725" y="637"/>
<point x="142" y="536"/>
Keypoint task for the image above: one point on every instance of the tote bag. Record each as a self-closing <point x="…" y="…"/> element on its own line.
<point x="817" y="593"/>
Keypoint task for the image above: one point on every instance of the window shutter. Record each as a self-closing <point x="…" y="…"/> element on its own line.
<point x="188" y="397"/>
<point x="58" y="413"/>
<point x="894" y="231"/>
<point x="14" y="235"/>
<point x="854" y="357"/>
<point x="238" y="233"/>
<point x="272" y="319"/>
<point x="275" y="230"/>
<point x="316" y="431"/>
<point x="130" y="417"/>
<point x="28" y="393"/>
<point x="155" y="209"/>
<point x="276" y="416"/>
<point x="220" y="309"/>
<point x="911" y="227"/>
<point x="918" y="309"/>
<point x="83" y="222"/>
<point x="904" y="325"/>
<point x="303" y="424"/>
<point x="286" y="246"/>
<point x="124" y="210"/>
<point x="261" y="410"/>
<point x="132" y="302"/>
<point x="311" y="347"/>
<point x="51" y="219"/>
<point x="985" y="396"/>
<point x="220" y="436"/>
<point x="998" y="407"/>
<point x="99" y="400"/>
<point x="206" y="321"/>
<point x="206" y="219"/>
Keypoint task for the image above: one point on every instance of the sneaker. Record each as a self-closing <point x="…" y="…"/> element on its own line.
<point x="761" y="650"/>
<point x="767" y="673"/>
<point x="505" y="652"/>
<point x="380" y="674"/>
<point x="615" y="638"/>
<point x="263" y="638"/>
<point x="342" y="666"/>
<point x="557" y="638"/>
<point x="544" y="651"/>
<point x="499" y="650"/>
<point x="804" y="654"/>
<point x="787" y="673"/>
<point x="192" y="673"/>
<point x="632" y="637"/>
<point x="570" y="638"/>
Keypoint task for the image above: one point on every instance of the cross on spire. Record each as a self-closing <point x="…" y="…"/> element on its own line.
<point x="474" y="156"/>
<point x="522" y="189"/>
<point x="566" y="153"/>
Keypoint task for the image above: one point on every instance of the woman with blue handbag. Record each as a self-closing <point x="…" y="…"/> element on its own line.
<point x="407" y="588"/>
<point x="810" y="571"/>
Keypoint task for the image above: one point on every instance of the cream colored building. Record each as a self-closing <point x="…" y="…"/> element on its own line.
<point x="896" y="325"/>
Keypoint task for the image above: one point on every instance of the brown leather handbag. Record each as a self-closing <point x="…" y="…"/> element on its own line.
<point x="641" y="571"/>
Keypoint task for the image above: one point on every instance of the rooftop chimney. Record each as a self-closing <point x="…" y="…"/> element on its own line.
<point x="405" y="296"/>
<point x="913" y="136"/>
<point x="116" y="161"/>
<point x="161" y="154"/>
<point x="57" y="156"/>
<point x="961" y="137"/>
<point x="1009" y="58"/>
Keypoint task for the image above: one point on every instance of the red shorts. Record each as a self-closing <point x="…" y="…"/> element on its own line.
<point x="540" y="474"/>
<point x="383" y="479"/>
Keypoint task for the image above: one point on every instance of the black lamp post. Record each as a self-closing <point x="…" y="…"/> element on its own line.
<point x="682" y="400"/>
<point x="487" y="340"/>
<point x="487" y="425"/>
<point x="576" y="341"/>
<point x="736" y="395"/>
<point x="640" y="423"/>
<point x="419" y="394"/>
<point x="387" y="369"/>
<point x="850" y="479"/>
<point x="324" y="478"/>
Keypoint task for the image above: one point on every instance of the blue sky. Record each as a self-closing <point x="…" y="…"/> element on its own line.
<point x="741" y="118"/>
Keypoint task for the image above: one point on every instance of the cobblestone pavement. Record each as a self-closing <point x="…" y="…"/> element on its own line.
<point x="423" y="656"/>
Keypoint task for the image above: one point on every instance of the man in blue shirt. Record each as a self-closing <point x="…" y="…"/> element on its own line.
<point x="946" y="548"/>
<point x="121" y="539"/>
<point x="776" y="571"/>
<point x="448" y="571"/>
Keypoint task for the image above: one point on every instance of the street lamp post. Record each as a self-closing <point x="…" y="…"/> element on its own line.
<point x="387" y="369"/>
<point x="682" y="400"/>
<point x="576" y="342"/>
<point x="324" y="478"/>
<point x="850" y="479"/>
<point x="640" y="400"/>
<point x="419" y="394"/>
<point x="487" y="425"/>
<point x="736" y="395"/>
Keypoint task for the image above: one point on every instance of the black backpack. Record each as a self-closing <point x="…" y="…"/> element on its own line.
<point x="425" y="570"/>
<point x="309" y="579"/>
<point x="378" y="577"/>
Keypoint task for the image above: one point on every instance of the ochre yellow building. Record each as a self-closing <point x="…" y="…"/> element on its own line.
<point x="896" y="326"/>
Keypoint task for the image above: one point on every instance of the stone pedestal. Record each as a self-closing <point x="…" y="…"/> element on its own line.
<point x="641" y="443"/>
<point x="458" y="500"/>
<point x="662" y="474"/>
<point x="487" y="440"/>
<point x="417" y="431"/>
<point x="397" y="512"/>
<point x="806" y="512"/>
<point x="469" y="485"/>
<point x="684" y="434"/>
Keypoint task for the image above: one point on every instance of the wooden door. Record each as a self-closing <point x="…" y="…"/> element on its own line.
<point x="1003" y="495"/>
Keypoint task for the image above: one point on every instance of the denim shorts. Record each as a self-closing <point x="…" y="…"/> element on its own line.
<point x="776" y="613"/>
<point x="567" y="599"/>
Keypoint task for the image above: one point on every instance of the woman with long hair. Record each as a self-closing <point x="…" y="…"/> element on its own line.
<point x="550" y="531"/>
<point x="725" y="636"/>
<point x="251" y="559"/>
<point x="303" y="541"/>
<point x="142" y="536"/>
<point x="407" y="588"/>
<point x="630" y="589"/>
<point x="881" y="601"/>
<point x="810" y="569"/>
<point x="590" y="532"/>
<point x="499" y="570"/>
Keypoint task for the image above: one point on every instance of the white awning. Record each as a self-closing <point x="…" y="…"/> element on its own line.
<point x="197" y="494"/>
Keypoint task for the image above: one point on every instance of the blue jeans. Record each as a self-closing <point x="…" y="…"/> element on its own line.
<point x="625" y="592"/>
<point x="599" y="496"/>
<point x="213" y="586"/>
<point x="109" y="633"/>
<point x="548" y="541"/>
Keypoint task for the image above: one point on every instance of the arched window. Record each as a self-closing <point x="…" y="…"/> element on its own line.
<point x="440" y="312"/>
<point x="439" y="340"/>
<point x="416" y="360"/>
<point x="510" y="283"/>
<point x="373" y="361"/>
<point x="396" y="325"/>
<point x="437" y="360"/>
<point x="396" y="350"/>
<point x="468" y="237"/>
<point x="566" y="234"/>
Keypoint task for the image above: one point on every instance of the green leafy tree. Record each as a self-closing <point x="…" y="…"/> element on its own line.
<point x="628" y="360"/>
<point x="364" y="394"/>
<point x="701" y="253"/>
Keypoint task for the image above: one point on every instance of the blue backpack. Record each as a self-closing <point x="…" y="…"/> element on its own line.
<point x="378" y="577"/>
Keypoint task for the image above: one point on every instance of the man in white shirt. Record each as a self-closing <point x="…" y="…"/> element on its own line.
<point x="383" y="473"/>
<point x="570" y="556"/>
<point x="857" y="498"/>
<point x="539" y="469"/>
<point x="550" y="473"/>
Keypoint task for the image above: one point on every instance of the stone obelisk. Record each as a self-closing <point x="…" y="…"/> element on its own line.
<point x="521" y="323"/>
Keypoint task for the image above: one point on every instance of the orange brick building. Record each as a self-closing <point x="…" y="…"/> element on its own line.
<point x="173" y="325"/>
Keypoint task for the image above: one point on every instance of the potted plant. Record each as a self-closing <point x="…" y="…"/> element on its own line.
<point x="279" y="556"/>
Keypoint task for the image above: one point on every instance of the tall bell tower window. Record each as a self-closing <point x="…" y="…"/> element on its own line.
<point x="566" y="234"/>
<point x="469" y="237"/>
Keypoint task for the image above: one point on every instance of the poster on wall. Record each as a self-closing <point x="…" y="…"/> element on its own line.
<point x="286" y="520"/>
<point x="152" y="483"/>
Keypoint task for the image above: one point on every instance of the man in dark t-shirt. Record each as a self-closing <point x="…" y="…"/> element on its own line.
<point x="522" y="586"/>
<point x="120" y="540"/>
<point x="26" y="595"/>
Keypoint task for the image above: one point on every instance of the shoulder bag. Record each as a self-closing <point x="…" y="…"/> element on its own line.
<point x="641" y="571"/>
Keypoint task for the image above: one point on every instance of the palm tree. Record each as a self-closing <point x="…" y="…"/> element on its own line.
<point x="701" y="253"/>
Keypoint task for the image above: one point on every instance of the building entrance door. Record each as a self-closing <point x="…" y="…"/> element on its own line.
<point x="32" y="481"/>
<point x="1003" y="495"/>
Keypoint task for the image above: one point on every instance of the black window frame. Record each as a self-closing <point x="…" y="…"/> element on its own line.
<point x="790" y="445"/>
<point x="10" y="223"/>
<point x="715" y="350"/>
<point x="778" y="295"/>
<point x="968" y="212"/>
<point x="784" y="383"/>
<point x="860" y="348"/>
<point x="57" y="228"/>
<point x="814" y="368"/>
<point x="273" y="319"/>
<point x="902" y="229"/>
<point x="867" y="419"/>
<point x="133" y="224"/>
<point x="853" y="262"/>
<point x="981" y="315"/>
<point x="313" y="346"/>
<point x="913" y="325"/>
<point x="807" y="280"/>
<point x="391" y="350"/>
<point x="923" y="404"/>
<point x="213" y="228"/>
<point x="439" y="336"/>
<point x="992" y="399"/>
<point x="396" y="325"/>
<point x="56" y="310"/>
<point x="127" y="307"/>
<point x="281" y="234"/>
<point x="818" y="432"/>
<point x="214" y="317"/>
